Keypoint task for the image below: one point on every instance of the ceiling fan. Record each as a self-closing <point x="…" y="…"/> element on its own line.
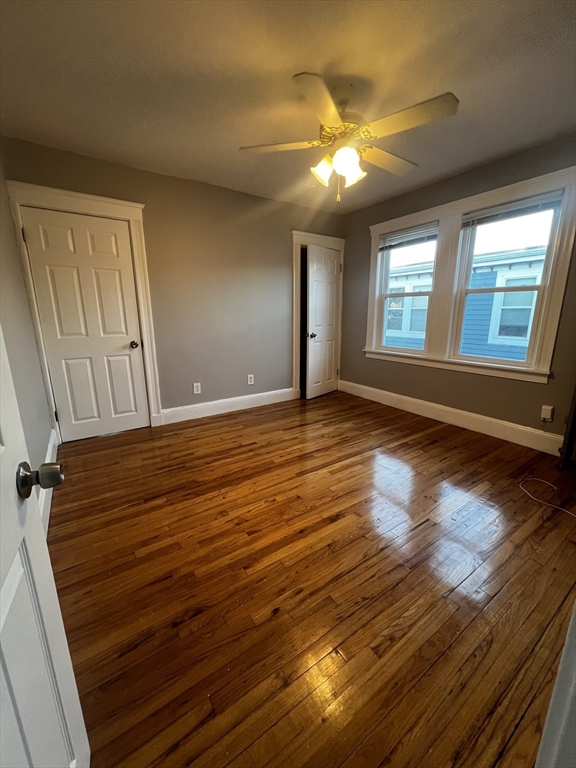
<point x="349" y="140"/>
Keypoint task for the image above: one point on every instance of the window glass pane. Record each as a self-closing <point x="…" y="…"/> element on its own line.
<point x="518" y="299"/>
<point x="498" y="325"/>
<point x="514" y="322"/>
<point x="395" y="320"/>
<point x="413" y="264"/>
<point x="513" y="281"/>
<point x="397" y="325"/>
<point x="514" y="243"/>
<point x="418" y="320"/>
<point x="419" y="301"/>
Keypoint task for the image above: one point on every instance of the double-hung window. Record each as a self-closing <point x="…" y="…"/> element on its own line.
<point x="406" y="275"/>
<point x="475" y="285"/>
<point x="504" y="253"/>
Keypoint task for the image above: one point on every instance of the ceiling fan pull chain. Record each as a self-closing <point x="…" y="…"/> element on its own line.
<point x="338" y="195"/>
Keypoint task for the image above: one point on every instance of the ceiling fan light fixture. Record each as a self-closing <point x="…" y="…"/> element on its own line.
<point x="346" y="161"/>
<point x="352" y="178"/>
<point x="323" y="170"/>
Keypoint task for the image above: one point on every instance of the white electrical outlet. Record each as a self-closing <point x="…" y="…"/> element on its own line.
<point x="547" y="413"/>
<point x="197" y="389"/>
<point x="250" y="378"/>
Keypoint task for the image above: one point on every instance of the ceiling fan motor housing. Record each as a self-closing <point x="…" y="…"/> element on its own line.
<point x="348" y="132"/>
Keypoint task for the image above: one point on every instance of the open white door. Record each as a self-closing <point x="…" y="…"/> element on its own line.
<point x="41" y="719"/>
<point x="323" y="316"/>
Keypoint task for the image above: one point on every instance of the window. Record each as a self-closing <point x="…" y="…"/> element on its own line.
<point x="506" y="253"/>
<point x="407" y="272"/>
<point x="477" y="284"/>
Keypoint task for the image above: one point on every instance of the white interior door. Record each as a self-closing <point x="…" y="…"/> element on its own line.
<point x="84" y="282"/>
<point x="41" y="720"/>
<point x="323" y="318"/>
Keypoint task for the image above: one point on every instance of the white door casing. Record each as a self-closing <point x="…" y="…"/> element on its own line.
<point x="84" y="284"/>
<point x="323" y="320"/>
<point x="41" y="719"/>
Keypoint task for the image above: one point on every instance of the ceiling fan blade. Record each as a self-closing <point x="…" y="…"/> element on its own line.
<point x="261" y="148"/>
<point x="420" y="114"/>
<point x="387" y="161"/>
<point x="318" y="96"/>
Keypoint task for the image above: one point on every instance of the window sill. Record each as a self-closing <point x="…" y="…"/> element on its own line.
<point x="484" y="369"/>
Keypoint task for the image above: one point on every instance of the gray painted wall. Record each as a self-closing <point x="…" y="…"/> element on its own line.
<point x="20" y="341"/>
<point x="220" y="267"/>
<point x="507" y="399"/>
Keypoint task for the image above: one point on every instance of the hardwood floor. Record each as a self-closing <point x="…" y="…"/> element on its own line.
<point x="323" y="583"/>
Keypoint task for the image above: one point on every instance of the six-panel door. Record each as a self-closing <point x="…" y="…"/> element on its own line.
<point x="323" y="315"/>
<point x="84" y="282"/>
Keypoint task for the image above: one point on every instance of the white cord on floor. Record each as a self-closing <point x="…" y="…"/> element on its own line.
<point x="539" y="480"/>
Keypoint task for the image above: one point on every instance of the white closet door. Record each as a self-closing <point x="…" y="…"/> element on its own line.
<point x="84" y="282"/>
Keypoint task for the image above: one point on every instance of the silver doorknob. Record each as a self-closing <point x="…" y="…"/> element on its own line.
<point x="134" y="345"/>
<point x="46" y="476"/>
<point x="313" y="335"/>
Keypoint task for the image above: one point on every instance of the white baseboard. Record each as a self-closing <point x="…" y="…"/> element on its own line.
<point x="229" y="404"/>
<point x="45" y="494"/>
<point x="505" y="430"/>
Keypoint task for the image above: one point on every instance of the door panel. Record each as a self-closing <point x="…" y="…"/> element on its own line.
<point x="67" y="305"/>
<point x="41" y="719"/>
<point x="316" y="363"/>
<point x="323" y="314"/>
<point x="102" y="243"/>
<point x="331" y="305"/>
<point x="81" y="389"/>
<point x="12" y="746"/>
<point x="111" y="310"/>
<point x="121" y="384"/>
<point x="23" y="637"/>
<point x="329" y="361"/>
<point x="57" y="238"/>
<point x="84" y="282"/>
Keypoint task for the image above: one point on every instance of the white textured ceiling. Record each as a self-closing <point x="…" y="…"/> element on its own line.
<point x="177" y="86"/>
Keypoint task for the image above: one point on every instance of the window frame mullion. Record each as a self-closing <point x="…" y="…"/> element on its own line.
<point x="443" y="295"/>
<point x="463" y="268"/>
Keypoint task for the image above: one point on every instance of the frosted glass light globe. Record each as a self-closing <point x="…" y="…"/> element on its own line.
<point x="346" y="161"/>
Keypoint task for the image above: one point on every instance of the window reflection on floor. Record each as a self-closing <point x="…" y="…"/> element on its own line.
<point x="408" y="505"/>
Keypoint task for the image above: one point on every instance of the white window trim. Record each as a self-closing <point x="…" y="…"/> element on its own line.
<point x="498" y="306"/>
<point x="445" y="313"/>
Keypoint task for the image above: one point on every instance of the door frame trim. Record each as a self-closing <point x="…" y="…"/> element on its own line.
<point x="298" y="240"/>
<point x="33" y="196"/>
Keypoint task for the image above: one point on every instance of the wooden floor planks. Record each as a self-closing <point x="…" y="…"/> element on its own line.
<point x="321" y="584"/>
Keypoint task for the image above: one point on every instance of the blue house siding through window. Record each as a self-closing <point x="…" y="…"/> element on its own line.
<point x="476" y="326"/>
<point x="404" y="342"/>
<point x="490" y="270"/>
